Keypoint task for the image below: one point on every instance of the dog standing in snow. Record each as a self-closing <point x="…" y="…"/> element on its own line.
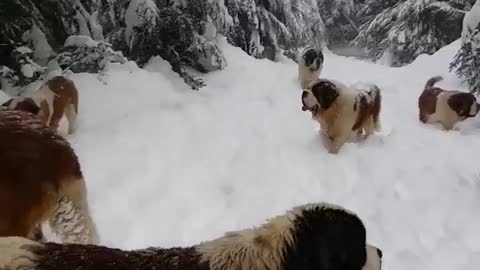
<point x="40" y="181"/>
<point x="55" y="98"/>
<point x="310" y="65"/>
<point x="341" y="110"/>
<point x="312" y="236"/>
<point x="447" y="107"/>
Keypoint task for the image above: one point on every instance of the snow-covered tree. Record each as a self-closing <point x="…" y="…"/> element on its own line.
<point x="182" y="32"/>
<point x="37" y="40"/>
<point x="23" y="70"/>
<point x="264" y="28"/>
<point x="341" y="24"/>
<point x="83" y="54"/>
<point x="8" y="80"/>
<point x="467" y="61"/>
<point x="462" y="4"/>
<point x="400" y="33"/>
<point x="141" y="17"/>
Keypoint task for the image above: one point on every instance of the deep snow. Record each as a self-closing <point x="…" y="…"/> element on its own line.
<point x="168" y="166"/>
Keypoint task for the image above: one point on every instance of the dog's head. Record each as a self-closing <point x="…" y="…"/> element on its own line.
<point x="313" y="59"/>
<point x="464" y="104"/>
<point x="25" y="104"/>
<point x="320" y="95"/>
<point x="331" y="238"/>
<point x="311" y="236"/>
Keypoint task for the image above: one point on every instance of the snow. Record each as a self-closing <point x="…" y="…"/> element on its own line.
<point x="4" y="97"/>
<point x="28" y="70"/>
<point x="167" y="166"/>
<point x="80" y="41"/>
<point x="471" y="21"/>
<point x="82" y="24"/>
<point x="42" y="49"/>
<point x="97" y="29"/>
<point x="53" y="69"/>
<point x="23" y="50"/>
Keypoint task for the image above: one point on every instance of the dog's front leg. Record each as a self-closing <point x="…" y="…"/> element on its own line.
<point x="337" y="142"/>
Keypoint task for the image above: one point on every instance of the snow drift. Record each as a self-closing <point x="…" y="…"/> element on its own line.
<point x="166" y="166"/>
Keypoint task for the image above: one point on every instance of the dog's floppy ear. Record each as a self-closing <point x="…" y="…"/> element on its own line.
<point x="29" y="105"/>
<point x="461" y="103"/>
<point x="326" y="93"/>
<point x="320" y="55"/>
<point x="26" y="105"/>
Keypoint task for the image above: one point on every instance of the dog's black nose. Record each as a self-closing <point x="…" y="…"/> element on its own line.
<point x="380" y="253"/>
<point x="304" y="94"/>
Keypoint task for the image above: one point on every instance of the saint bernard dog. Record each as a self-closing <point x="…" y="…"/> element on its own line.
<point x="312" y="236"/>
<point x="447" y="107"/>
<point x="56" y="98"/>
<point x="343" y="111"/>
<point x="40" y="182"/>
<point x="310" y="65"/>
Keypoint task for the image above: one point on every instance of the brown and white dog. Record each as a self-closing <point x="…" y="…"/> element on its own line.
<point x="343" y="110"/>
<point x="56" y="98"/>
<point x="40" y="181"/>
<point x="312" y="236"/>
<point x="447" y="107"/>
<point x="310" y="65"/>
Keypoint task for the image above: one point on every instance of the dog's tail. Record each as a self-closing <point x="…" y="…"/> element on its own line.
<point x="432" y="81"/>
<point x="16" y="253"/>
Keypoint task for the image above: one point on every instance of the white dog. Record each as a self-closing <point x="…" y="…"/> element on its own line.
<point x="310" y="65"/>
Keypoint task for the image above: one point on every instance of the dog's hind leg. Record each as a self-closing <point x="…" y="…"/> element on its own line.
<point x="72" y="220"/>
<point x="370" y="126"/>
<point x="57" y="115"/>
<point x="71" y="115"/>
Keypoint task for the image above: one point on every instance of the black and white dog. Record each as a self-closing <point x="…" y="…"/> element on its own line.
<point x="317" y="236"/>
<point x="310" y="65"/>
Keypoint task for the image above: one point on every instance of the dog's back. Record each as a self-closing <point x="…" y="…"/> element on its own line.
<point x="368" y="103"/>
<point x="427" y="102"/>
<point x="39" y="168"/>
<point x="64" y="89"/>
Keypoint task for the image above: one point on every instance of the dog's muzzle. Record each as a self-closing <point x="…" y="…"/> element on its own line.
<point x="304" y="96"/>
<point x="315" y="65"/>
<point x="474" y="110"/>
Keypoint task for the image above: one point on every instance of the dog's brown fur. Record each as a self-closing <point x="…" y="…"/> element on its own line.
<point x="284" y="243"/>
<point x="40" y="180"/>
<point x="447" y="107"/>
<point x="343" y="110"/>
<point x="56" y="98"/>
<point x="22" y="104"/>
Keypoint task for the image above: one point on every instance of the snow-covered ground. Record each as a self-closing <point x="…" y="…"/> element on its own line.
<point x="168" y="166"/>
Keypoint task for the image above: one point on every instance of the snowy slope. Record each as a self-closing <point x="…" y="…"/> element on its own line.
<point x="168" y="166"/>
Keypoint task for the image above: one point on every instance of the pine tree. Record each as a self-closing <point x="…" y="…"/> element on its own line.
<point x="341" y="24"/>
<point x="467" y="60"/>
<point x="400" y="33"/>
<point x="83" y="54"/>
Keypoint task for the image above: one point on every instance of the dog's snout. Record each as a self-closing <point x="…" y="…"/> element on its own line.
<point x="380" y="253"/>
<point x="318" y="62"/>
